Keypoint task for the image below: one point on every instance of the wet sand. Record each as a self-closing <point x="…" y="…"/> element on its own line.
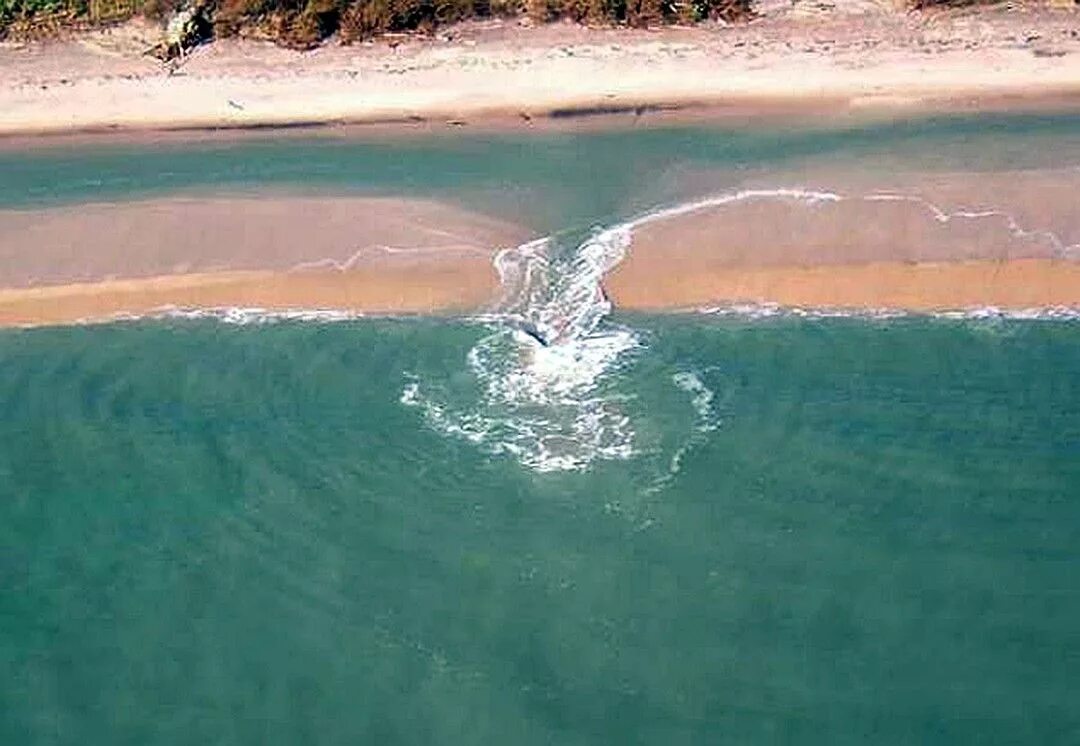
<point x="278" y="232"/>
<point x="929" y="242"/>
<point x="377" y="255"/>
<point x="1021" y="284"/>
<point x="453" y="286"/>
<point x="434" y="286"/>
<point x="860" y="250"/>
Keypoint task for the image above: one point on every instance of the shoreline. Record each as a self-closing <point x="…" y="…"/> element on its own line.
<point x="1019" y="286"/>
<point x="900" y="251"/>
<point x="501" y="75"/>
<point x="428" y="291"/>
<point x="747" y="112"/>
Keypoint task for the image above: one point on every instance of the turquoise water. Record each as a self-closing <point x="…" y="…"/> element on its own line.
<point x="687" y="529"/>
<point x="235" y="535"/>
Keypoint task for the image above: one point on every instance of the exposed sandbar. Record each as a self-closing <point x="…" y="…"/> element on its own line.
<point x="931" y="287"/>
<point x="445" y="287"/>
<point x="193" y="235"/>
<point x="926" y="243"/>
<point x="377" y="255"/>
<point x="931" y="243"/>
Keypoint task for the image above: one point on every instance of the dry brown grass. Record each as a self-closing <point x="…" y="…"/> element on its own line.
<point x="306" y="23"/>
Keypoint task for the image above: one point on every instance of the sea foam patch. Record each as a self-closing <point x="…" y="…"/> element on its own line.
<point x="547" y="373"/>
<point x="244" y="316"/>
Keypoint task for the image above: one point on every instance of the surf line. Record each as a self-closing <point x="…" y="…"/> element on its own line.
<point x="548" y="393"/>
<point x="552" y="301"/>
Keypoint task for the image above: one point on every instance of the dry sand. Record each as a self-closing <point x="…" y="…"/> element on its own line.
<point x="875" y="59"/>
<point x="836" y="220"/>
<point x="922" y="243"/>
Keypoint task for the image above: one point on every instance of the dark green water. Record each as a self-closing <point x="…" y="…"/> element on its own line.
<point x="777" y="530"/>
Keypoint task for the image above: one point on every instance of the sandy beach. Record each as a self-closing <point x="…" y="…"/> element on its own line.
<point x="858" y="58"/>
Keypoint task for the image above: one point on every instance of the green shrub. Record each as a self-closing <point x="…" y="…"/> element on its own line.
<point x="35" y="15"/>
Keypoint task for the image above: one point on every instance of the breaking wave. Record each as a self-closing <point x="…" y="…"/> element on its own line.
<point x="984" y="313"/>
<point x="546" y="372"/>
<point x="235" y="315"/>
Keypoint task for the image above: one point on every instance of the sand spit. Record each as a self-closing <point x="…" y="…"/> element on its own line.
<point x="935" y="243"/>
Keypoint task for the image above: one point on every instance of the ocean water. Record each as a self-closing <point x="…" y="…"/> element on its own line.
<point x="555" y="523"/>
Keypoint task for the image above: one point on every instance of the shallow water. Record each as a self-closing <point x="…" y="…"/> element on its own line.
<point x="549" y="525"/>
<point x="555" y="181"/>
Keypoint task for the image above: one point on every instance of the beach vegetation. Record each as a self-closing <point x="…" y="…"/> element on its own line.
<point x="306" y="23"/>
<point x="41" y="17"/>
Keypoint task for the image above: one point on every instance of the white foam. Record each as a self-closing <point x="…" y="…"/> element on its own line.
<point x="701" y="399"/>
<point x="544" y="369"/>
<point x="773" y="310"/>
<point x="544" y="405"/>
<point x="238" y="315"/>
<point x="364" y="254"/>
<point x="244" y="316"/>
<point x="1012" y="225"/>
<point x="545" y="372"/>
